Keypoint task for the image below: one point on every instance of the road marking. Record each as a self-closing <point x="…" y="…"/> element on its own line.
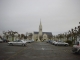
<point x="42" y="48"/>
<point x="15" y="54"/>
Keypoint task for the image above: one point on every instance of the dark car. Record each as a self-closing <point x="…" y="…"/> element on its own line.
<point x="48" y="41"/>
<point x="5" y="40"/>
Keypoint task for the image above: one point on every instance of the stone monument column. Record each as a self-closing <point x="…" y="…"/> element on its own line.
<point x="38" y="38"/>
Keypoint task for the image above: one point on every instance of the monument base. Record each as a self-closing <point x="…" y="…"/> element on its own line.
<point x="38" y="40"/>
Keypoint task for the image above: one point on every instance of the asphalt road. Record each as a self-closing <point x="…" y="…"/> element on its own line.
<point x="37" y="51"/>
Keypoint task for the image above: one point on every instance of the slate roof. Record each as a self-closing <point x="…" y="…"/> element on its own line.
<point x="48" y="33"/>
<point x="36" y="32"/>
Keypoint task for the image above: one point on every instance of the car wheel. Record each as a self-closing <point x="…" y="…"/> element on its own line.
<point x="65" y="45"/>
<point x="79" y="51"/>
<point x="55" y="44"/>
<point x="11" y="44"/>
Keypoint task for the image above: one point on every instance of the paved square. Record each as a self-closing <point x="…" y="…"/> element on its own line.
<point x="37" y="51"/>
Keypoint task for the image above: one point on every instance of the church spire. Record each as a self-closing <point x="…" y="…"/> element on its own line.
<point x="40" y="21"/>
<point x="40" y="26"/>
<point x="40" y="31"/>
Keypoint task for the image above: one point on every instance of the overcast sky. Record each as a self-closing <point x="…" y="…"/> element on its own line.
<point x="57" y="16"/>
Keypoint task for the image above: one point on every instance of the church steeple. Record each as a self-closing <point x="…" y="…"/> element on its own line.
<point x="40" y="21"/>
<point x="40" y="28"/>
<point x="40" y="32"/>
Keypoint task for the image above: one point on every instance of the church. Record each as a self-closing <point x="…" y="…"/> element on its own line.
<point x="42" y="36"/>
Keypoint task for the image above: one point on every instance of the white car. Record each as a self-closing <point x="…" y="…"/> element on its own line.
<point x="1" y="41"/>
<point x="76" y="47"/>
<point x="18" y="42"/>
<point x="61" y="43"/>
<point x="53" y="42"/>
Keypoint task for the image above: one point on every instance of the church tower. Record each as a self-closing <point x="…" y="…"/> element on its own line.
<point x="40" y="32"/>
<point x="40" y="29"/>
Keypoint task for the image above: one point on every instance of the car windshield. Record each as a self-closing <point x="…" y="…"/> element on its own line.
<point x="17" y="41"/>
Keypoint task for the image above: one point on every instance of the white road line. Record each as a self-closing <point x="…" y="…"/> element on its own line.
<point x="42" y="48"/>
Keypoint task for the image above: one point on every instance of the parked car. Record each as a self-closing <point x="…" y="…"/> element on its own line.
<point x="76" y="47"/>
<point x="47" y="41"/>
<point x="1" y="41"/>
<point x="5" y="40"/>
<point x="32" y="40"/>
<point x="29" y="41"/>
<point x="18" y="42"/>
<point x="61" y="43"/>
<point x="53" y="42"/>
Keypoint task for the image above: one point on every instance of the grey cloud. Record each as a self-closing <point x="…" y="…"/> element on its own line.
<point x="57" y="16"/>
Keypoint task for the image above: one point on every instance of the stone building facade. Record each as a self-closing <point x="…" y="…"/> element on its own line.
<point x="41" y="36"/>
